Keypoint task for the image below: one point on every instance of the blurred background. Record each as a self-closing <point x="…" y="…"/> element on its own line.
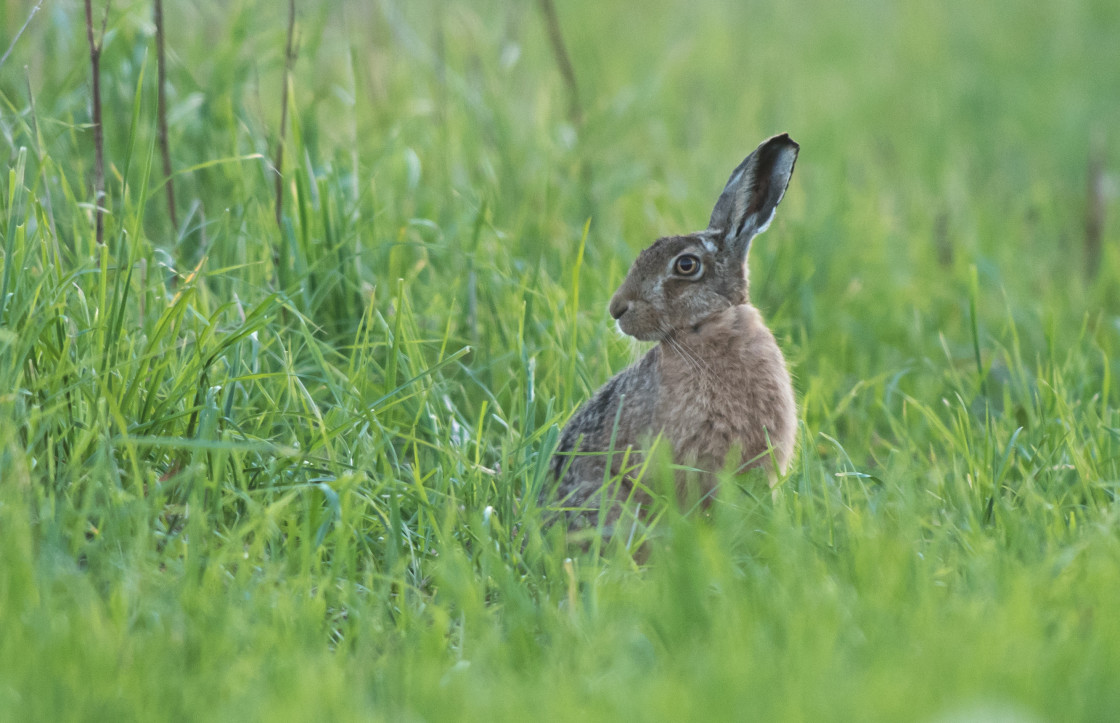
<point x="935" y="137"/>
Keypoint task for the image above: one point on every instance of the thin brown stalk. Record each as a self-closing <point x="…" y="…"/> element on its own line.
<point x="563" y="61"/>
<point x="289" y="61"/>
<point x="942" y="241"/>
<point x="161" y="112"/>
<point x="1094" y="210"/>
<point x="98" y="135"/>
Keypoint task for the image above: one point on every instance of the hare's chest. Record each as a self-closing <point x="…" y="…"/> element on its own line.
<point x="703" y="414"/>
<point x="744" y="403"/>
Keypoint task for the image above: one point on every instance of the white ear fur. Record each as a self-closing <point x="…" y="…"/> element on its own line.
<point x="752" y="194"/>
<point x="766" y="224"/>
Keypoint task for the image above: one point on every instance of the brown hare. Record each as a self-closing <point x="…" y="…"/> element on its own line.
<point x="716" y="382"/>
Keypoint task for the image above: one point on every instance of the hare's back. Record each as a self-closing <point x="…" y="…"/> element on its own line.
<point x="620" y="412"/>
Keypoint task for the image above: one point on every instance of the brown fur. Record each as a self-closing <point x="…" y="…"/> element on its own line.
<point x="716" y="382"/>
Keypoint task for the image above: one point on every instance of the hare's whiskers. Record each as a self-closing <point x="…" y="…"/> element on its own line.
<point x="702" y="368"/>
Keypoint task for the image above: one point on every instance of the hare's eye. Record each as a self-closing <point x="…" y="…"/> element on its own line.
<point x="687" y="265"/>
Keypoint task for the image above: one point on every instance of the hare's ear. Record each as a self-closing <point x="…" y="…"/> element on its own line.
<point x="747" y="203"/>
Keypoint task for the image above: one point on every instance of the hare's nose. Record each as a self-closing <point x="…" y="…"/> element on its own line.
<point x="619" y="307"/>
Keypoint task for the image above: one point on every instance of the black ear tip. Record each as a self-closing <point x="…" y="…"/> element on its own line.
<point x="783" y="139"/>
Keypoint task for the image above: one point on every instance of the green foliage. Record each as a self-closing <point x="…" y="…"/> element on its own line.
<point x="250" y="472"/>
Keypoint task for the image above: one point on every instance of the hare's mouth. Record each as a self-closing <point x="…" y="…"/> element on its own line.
<point x="639" y="334"/>
<point x="632" y="325"/>
<point x="650" y="335"/>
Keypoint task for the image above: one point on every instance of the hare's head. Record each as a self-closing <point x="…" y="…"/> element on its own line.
<point x="680" y="281"/>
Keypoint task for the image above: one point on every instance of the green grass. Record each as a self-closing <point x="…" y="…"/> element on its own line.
<point x="294" y="474"/>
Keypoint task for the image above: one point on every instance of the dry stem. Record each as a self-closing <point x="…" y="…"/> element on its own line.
<point x="161" y="112"/>
<point x="289" y="61"/>
<point x="98" y="134"/>
<point x="575" y="110"/>
<point x="1094" y="209"/>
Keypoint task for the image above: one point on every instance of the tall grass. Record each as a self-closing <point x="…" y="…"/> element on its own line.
<point x="300" y="471"/>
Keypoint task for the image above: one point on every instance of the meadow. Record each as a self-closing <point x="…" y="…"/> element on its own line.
<point x="293" y="466"/>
